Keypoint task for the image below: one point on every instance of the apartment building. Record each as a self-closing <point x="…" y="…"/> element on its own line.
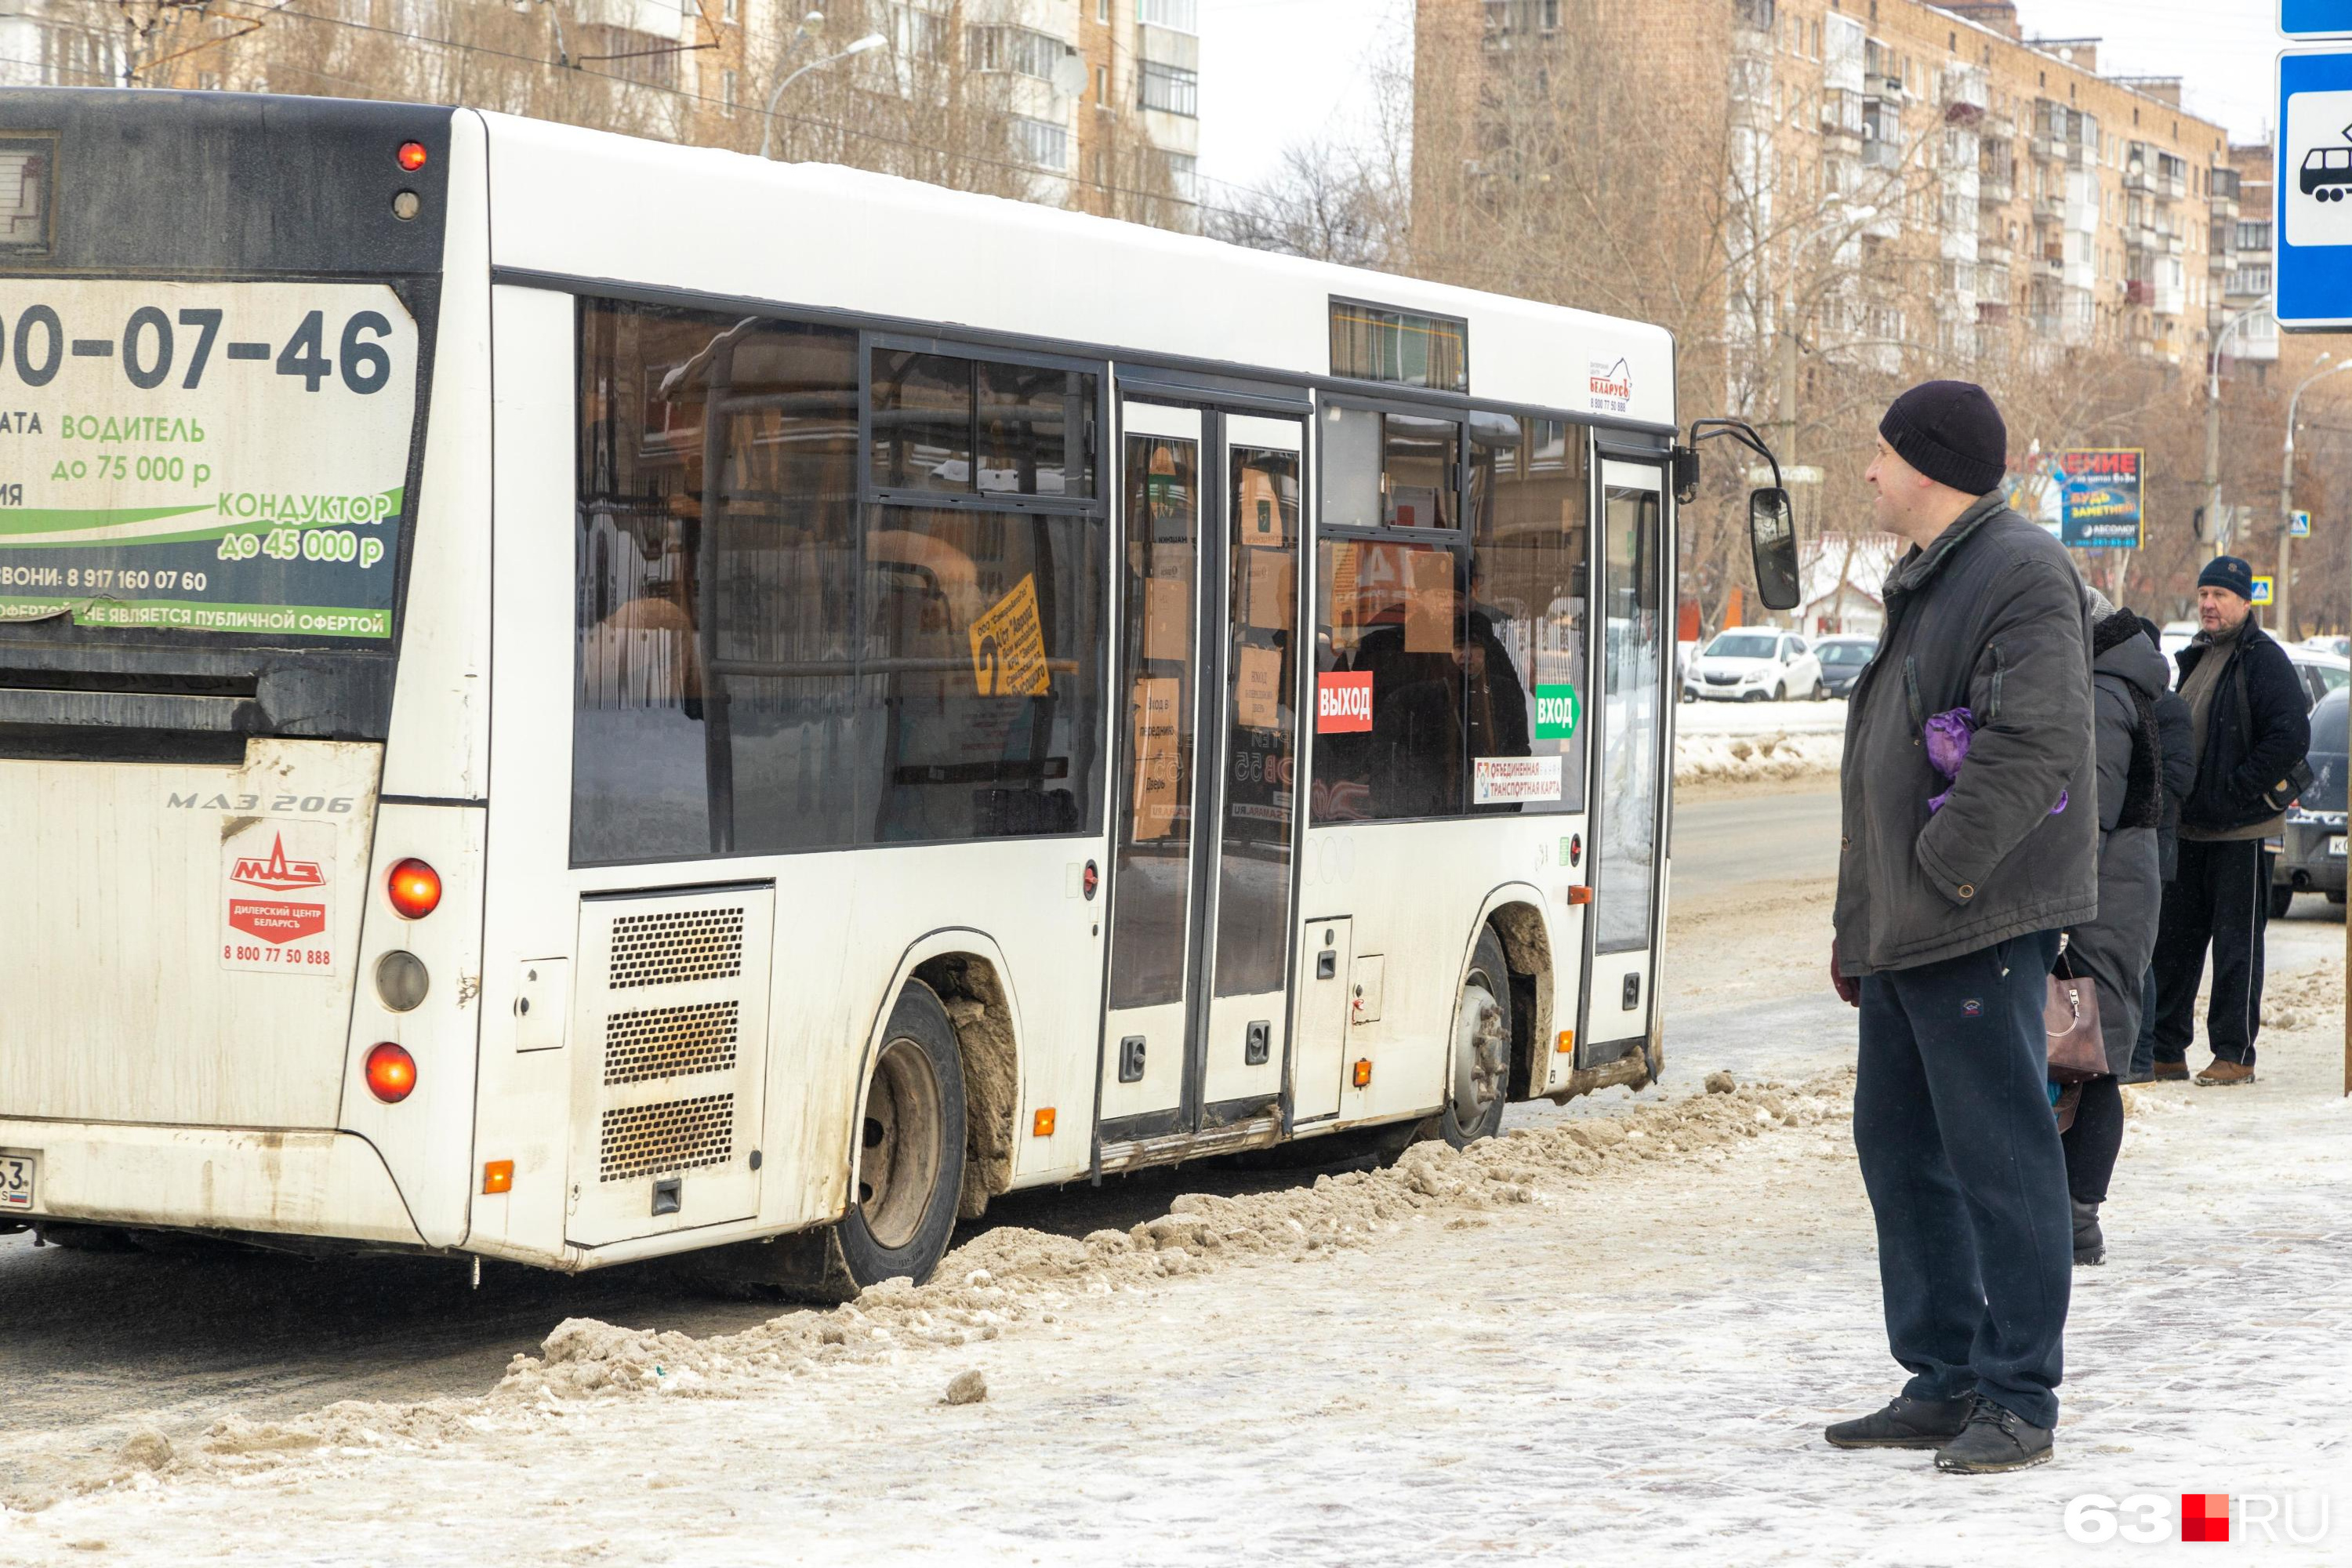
<point x="1086" y="104"/>
<point x="1983" y="187"/>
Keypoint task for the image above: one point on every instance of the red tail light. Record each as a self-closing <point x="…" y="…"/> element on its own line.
<point x="415" y="890"/>
<point x="391" y="1073"/>
<point x="412" y="155"/>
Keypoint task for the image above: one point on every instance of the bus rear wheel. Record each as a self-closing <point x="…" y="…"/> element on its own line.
<point x="1481" y="1079"/>
<point x="908" y="1171"/>
<point x="906" y="1174"/>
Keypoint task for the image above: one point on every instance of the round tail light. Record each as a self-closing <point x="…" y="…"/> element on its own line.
<point x="412" y="155"/>
<point x="391" y="1073"/>
<point x="415" y="890"/>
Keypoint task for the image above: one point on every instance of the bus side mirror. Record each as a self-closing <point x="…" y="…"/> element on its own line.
<point x="1772" y="532"/>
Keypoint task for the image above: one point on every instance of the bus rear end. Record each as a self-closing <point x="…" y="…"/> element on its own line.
<point x="243" y="626"/>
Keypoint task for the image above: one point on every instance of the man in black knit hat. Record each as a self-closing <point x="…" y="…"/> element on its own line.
<point x="1950" y="897"/>
<point x="2251" y="726"/>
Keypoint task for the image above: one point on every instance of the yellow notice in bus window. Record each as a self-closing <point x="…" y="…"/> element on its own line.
<point x="1269" y="590"/>
<point x="1158" y="754"/>
<point x="1008" y="646"/>
<point x="1429" y="613"/>
<point x="1257" y="688"/>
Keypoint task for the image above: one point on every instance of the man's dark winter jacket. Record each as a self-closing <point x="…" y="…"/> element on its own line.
<point x="1992" y="617"/>
<point x="2250" y="744"/>
<point x="2178" y="732"/>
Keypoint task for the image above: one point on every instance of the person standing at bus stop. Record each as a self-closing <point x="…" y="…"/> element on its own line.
<point x="2250" y="724"/>
<point x="1949" y="904"/>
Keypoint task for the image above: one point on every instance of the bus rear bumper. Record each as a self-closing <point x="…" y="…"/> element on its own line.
<point x="317" y="1184"/>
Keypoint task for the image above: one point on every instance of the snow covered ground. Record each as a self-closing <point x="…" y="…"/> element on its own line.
<point x="1611" y="1337"/>
<point x="1779" y="744"/>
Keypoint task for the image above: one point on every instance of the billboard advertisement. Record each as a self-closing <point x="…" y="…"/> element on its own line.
<point x="2094" y="497"/>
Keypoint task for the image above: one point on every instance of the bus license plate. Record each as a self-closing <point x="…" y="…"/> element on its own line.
<point x="18" y="1173"/>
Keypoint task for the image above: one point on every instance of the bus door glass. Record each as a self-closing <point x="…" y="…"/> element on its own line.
<point x="1153" y="956"/>
<point x="1628" y="837"/>
<point x="1242" y="1049"/>
<point x="1202" y="867"/>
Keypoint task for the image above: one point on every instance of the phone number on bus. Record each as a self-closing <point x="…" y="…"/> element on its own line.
<point x="152" y="345"/>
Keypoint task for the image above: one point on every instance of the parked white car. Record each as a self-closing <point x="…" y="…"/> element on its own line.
<point x="1752" y="664"/>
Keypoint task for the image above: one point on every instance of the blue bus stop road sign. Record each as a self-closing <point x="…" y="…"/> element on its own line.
<point x="2314" y="188"/>
<point x="2315" y="18"/>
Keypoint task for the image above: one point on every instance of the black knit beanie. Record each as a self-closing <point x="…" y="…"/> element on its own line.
<point x="2228" y="572"/>
<point x="1950" y="431"/>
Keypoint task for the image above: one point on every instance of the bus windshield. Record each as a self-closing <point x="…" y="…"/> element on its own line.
<point x="206" y="456"/>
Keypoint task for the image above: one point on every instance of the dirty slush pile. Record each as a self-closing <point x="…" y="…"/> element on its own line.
<point x="1010" y="1275"/>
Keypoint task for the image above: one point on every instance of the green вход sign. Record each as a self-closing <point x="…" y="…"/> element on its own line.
<point x="1558" y="709"/>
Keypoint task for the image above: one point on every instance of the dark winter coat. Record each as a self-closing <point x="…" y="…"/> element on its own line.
<point x="1990" y="616"/>
<point x="2259" y="728"/>
<point x="2112" y="950"/>
<point x="2178" y="732"/>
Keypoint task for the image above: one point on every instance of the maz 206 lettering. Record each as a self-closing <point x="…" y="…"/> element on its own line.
<point x="152" y="344"/>
<point x="251" y="805"/>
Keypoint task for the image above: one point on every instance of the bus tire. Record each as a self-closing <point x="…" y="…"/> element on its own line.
<point x="907" y="1173"/>
<point x="1479" y="1083"/>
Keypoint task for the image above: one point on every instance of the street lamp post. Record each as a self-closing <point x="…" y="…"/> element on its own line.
<point x="768" y="133"/>
<point x="2285" y="591"/>
<point x="2213" y="423"/>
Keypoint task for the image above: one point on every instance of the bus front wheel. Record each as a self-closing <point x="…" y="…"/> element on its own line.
<point x="1481" y="1079"/>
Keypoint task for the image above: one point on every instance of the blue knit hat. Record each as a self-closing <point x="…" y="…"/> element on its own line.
<point x="2228" y="572"/>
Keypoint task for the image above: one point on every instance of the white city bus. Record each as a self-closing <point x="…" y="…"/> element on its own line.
<point x="565" y="699"/>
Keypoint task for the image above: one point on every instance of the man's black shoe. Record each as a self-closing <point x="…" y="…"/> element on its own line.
<point x="1905" y="1423"/>
<point x="1994" y="1440"/>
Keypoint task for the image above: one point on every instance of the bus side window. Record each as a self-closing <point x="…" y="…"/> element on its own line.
<point x="1389" y="660"/>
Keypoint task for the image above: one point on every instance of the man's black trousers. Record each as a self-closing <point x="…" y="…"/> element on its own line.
<point x="1960" y="1153"/>
<point x="2221" y="897"/>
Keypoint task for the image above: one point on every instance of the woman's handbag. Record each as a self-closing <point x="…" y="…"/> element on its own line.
<point x="2070" y="1019"/>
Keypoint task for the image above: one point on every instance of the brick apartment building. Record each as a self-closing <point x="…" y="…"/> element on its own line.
<point x="1995" y="183"/>
<point x="1093" y="103"/>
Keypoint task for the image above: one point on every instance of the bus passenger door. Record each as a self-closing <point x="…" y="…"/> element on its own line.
<point x="1201" y="866"/>
<point x="1629" y="800"/>
<point x="1155" y="860"/>
<point x="1241" y="1043"/>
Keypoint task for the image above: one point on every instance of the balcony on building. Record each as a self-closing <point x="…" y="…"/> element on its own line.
<point x="1966" y="94"/>
<point x="1882" y="74"/>
<point x="2225" y="187"/>
<point x="1184" y="15"/>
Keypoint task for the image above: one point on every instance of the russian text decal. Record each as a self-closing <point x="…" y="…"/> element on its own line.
<point x="1343" y="704"/>
<point x="278" y="898"/>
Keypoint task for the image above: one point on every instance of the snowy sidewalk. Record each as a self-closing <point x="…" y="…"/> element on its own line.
<point x="1631" y="1366"/>
<point x="1757" y="743"/>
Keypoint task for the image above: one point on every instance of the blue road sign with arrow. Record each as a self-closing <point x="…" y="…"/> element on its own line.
<point x="2314" y="188"/>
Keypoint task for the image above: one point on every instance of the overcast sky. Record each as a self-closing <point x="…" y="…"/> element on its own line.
<point x="1274" y="72"/>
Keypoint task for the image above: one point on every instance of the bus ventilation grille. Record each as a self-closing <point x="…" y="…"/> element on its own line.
<point x="671" y="1042"/>
<point x="673" y="948"/>
<point x="675" y="1135"/>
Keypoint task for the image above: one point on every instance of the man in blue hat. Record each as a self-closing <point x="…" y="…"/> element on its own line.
<point x="2250" y="722"/>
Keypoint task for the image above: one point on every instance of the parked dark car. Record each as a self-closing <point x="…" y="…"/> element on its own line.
<point x="1842" y="661"/>
<point x="2310" y="857"/>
